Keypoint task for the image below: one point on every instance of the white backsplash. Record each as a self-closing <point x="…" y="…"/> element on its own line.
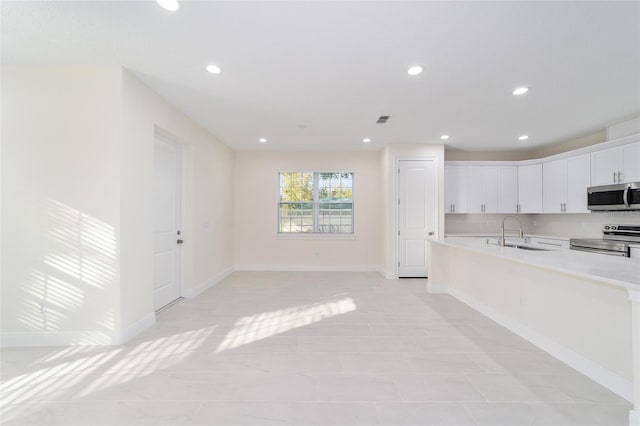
<point x="483" y="223"/>
<point x="585" y="225"/>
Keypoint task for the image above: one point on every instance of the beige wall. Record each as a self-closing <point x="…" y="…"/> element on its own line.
<point x="60" y="199"/>
<point x="556" y="148"/>
<point x="256" y="191"/>
<point x="487" y="155"/>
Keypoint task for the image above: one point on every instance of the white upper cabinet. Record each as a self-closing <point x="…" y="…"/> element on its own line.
<point x="455" y="180"/>
<point x="565" y="183"/>
<point x="508" y="189"/>
<point x="554" y="186"/>
<point x="631" y="162"/>
<point x="578" y="180"/>
<point x="530" y="188"/>
<point x="482" y="189"/>
<point x="616" y="165"/>
<point x="557" y="184"/>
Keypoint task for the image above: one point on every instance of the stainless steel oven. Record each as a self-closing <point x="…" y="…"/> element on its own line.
<point x="623" y="196"/>
<point x="615" y="241"/>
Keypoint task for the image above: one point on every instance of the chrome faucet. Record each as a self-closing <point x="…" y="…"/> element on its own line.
<point x="520" y="233"/>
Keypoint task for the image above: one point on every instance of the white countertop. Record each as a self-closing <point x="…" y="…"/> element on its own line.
<point x="497" y="234"/>
<point x="618" y="271"/>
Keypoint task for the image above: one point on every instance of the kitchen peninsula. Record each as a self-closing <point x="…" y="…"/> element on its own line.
<point x="582" y="308"/>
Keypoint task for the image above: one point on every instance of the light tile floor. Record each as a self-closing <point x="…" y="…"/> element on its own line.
<point x="307" y="349"/>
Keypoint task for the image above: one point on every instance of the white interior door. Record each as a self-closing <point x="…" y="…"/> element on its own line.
<point x="167" y="204"/>
<point x="417" y="215"/>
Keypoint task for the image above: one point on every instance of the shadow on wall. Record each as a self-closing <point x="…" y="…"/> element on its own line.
<point x="77" y="265"/>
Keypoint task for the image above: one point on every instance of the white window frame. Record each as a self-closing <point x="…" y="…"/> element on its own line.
<point x="316" y="209"/>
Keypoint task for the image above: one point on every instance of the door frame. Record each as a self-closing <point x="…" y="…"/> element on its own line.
<point x="167" y="137"/>
<point x="396" y="194"/>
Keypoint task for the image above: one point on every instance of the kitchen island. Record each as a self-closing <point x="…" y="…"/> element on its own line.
<point x="582" y="308"/>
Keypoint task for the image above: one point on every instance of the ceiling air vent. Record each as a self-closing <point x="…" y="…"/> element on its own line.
<point x="382" y="119"/>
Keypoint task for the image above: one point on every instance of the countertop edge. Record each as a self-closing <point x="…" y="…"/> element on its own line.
<point x="600" y="278"/>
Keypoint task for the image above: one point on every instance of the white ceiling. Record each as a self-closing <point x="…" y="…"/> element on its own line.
<point x="334" y="67"/>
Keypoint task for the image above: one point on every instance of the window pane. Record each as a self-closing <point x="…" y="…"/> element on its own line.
<point x="296" y="186"/>
<point x="335" y="202"/>
<point x="296" y="217"/>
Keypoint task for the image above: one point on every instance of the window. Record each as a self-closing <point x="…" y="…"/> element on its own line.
<point x="316" y="202"/>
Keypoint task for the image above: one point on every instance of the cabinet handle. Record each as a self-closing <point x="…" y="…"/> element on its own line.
<point x="454" y="207"/>
<point x="614" y="177"/>
<point x="619" y="177"/>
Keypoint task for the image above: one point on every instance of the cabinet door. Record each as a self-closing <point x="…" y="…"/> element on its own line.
<point x="631" y="162"/>
<point x="475" y="196"/>
<point x="482" y="189"/>
<point x="455" y="189"/>
<point x="605" y="165"/>
<point x="530" y="188"/>
<point x="578" y="180"/>
<point x="448" y="189"/>
<point x="490" y="189"/>
<point x="554" y="186"/>
<point x="508" y="189"/>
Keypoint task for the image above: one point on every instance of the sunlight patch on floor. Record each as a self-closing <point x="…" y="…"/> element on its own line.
<point x="256" y="327"/>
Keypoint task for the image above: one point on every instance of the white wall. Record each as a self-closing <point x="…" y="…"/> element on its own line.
<point x="60" y="199"/>
<point x="256" y="191"/>
<point x="391" y="154"/>
<point x="77" y="182"/>
<point x="208" y="223"/>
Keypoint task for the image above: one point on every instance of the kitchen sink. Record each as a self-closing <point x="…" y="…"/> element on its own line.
<point x="525" y="247"/>
<point x="518" y="246"/>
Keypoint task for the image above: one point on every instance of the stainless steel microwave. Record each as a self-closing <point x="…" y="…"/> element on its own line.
<point x="622" y="196"/>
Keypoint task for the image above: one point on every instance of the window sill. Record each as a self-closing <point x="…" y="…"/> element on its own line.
<point x="314" y="236"/>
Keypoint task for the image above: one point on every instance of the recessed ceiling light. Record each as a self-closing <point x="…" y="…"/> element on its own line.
<point x="520" y="90"/>
<point x="214" y="69"/>
<point x="415" y="70"/>
<point x="366" y="140"/>
<point x="444" y="137"/>
<point x="170" y="5"/>
<point x="523" y="138"/>
<point x="262" y="140"/>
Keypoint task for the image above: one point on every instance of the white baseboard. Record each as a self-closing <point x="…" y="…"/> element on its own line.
<point x="76" y="338"/>
<point x="389" y="275"/>
<point x="309" y="268"/>
<point x="435" y="288"/>
<point x="137" y="327"/>
<point x="608" y="379"/>
<point x="191" y="293"/>
<point x="634" y="418"/>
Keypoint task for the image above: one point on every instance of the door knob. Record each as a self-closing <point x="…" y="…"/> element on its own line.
<point x="430" y="233"/>
<point x="180" y="241"/>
